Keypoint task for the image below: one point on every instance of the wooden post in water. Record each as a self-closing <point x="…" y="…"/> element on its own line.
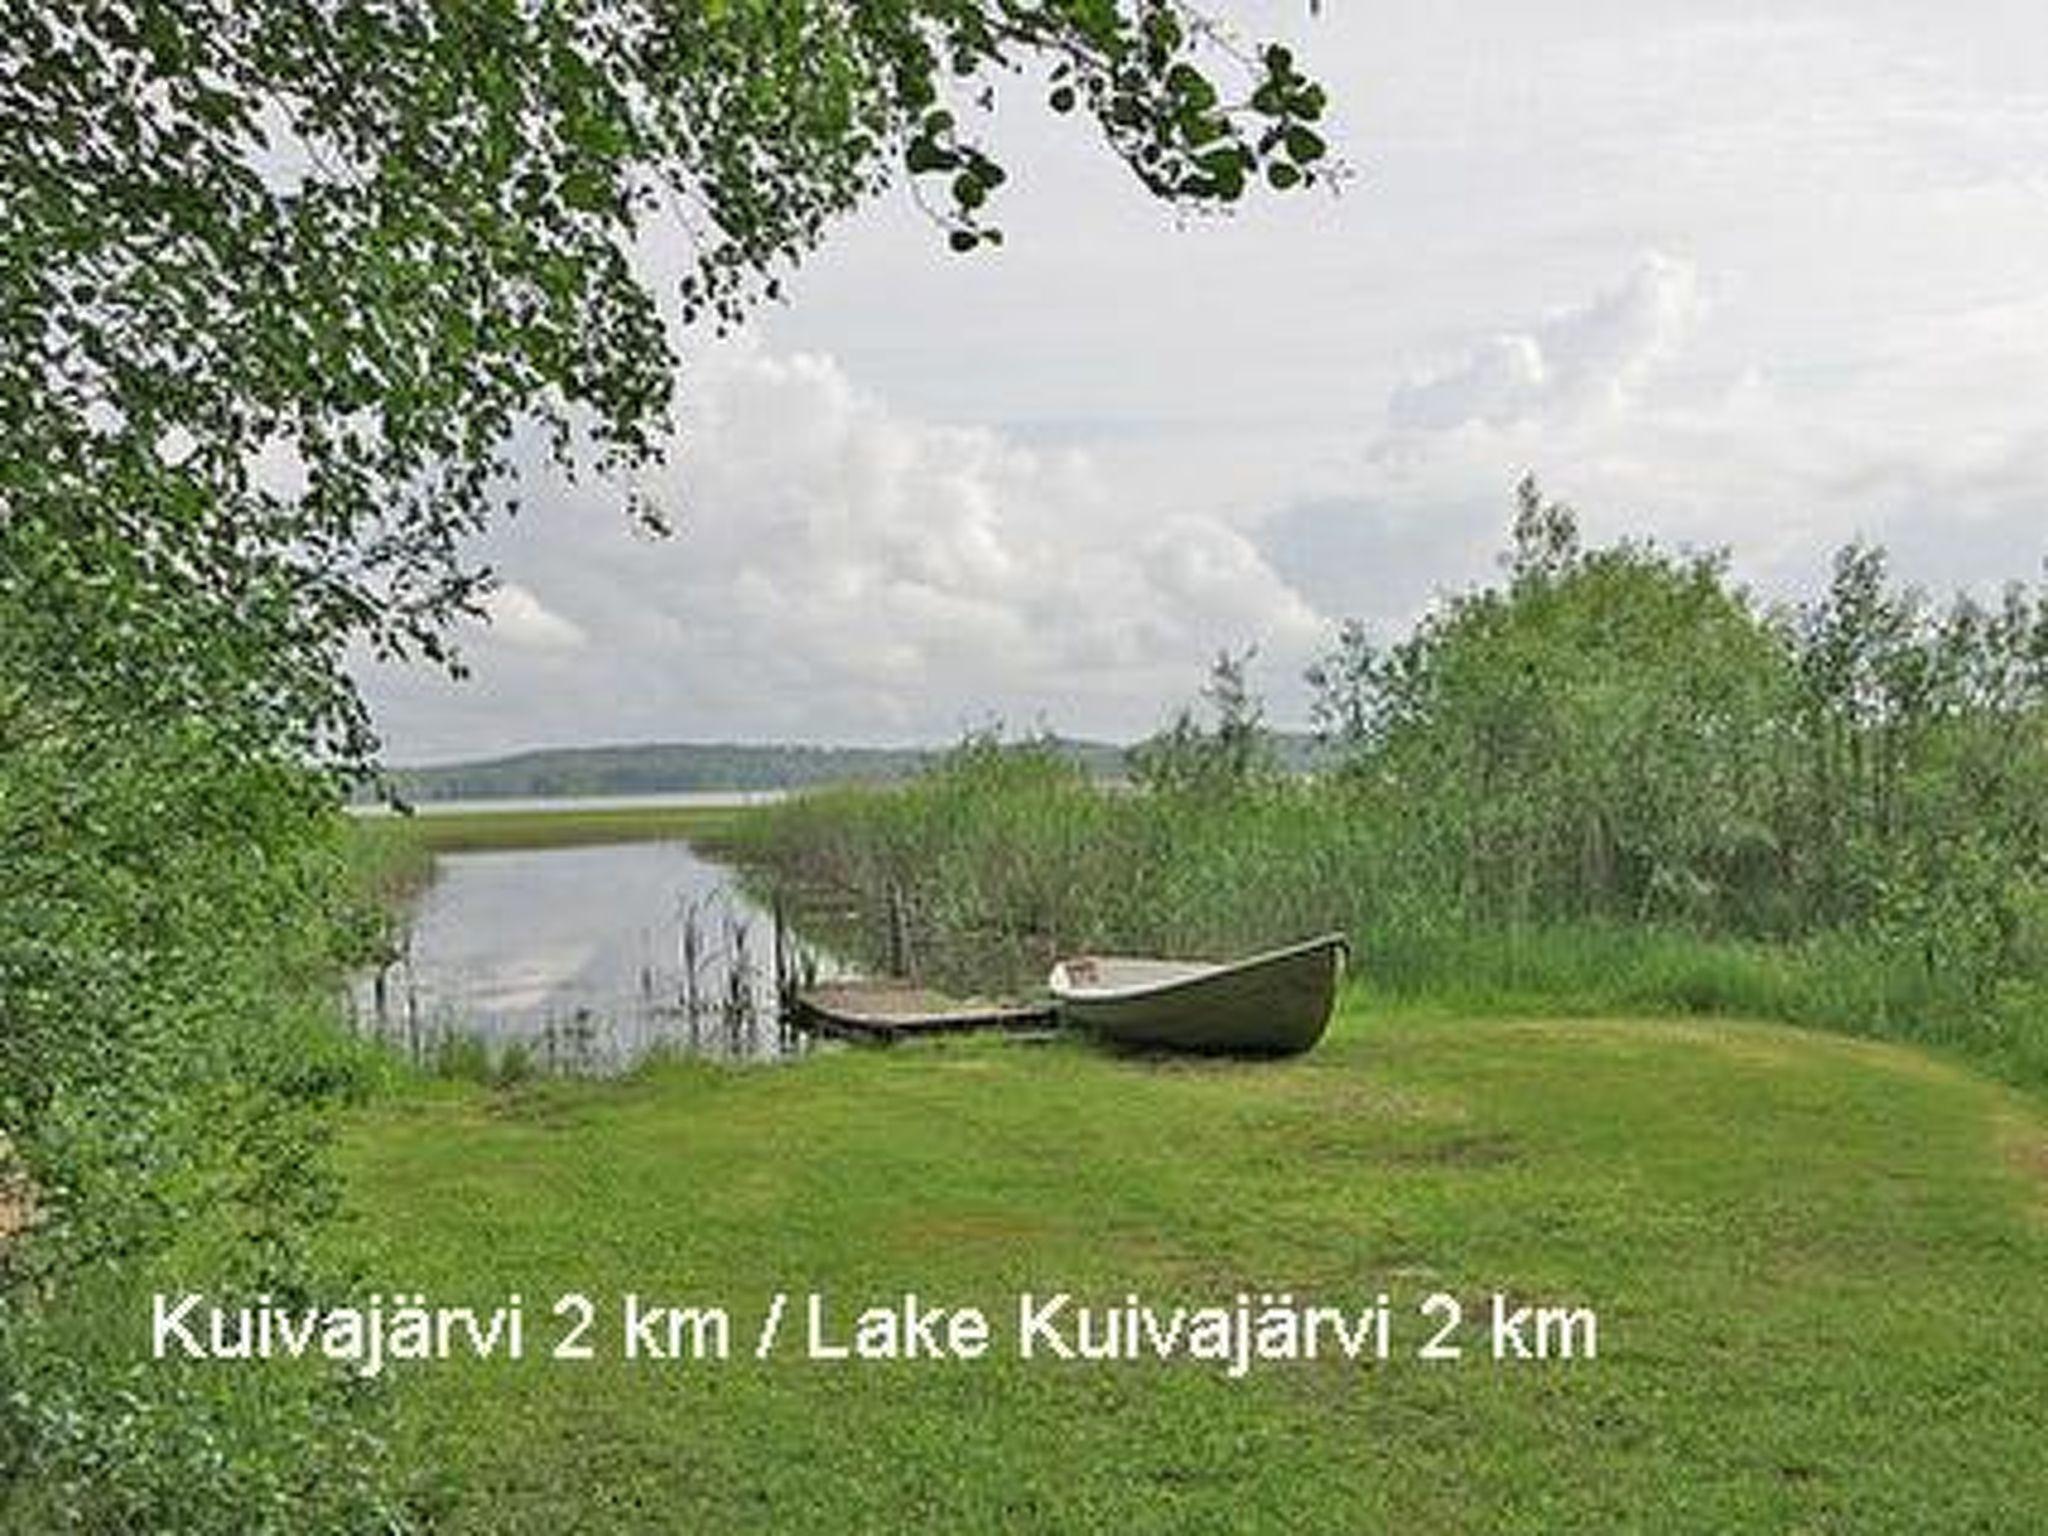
<point x="775" y="962"/>
<point x="412" y="1007"/>
<point x="688" y="945"/>
<point x="899" y="932"/>
<point x="785" y="984"/>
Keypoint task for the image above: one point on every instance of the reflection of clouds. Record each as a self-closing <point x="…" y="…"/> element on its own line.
<point x="530" y="980"/>
<point x="524" y="933"/>
<point x="576" y="953"/>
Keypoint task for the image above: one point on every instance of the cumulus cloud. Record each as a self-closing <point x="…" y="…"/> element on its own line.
<point x="520" y="620"/>
<point x="845" y="572"/>
<point x="1591" y="356"/>
<point x="1626" y="407"/>
<point x="1336" y="396"/>
<point x="1569" y="396"/>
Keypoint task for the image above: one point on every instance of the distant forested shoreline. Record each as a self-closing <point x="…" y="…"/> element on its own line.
<point x="684" y="767"/>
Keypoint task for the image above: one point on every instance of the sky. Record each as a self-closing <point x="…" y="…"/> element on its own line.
<point x="1762" y="277"/>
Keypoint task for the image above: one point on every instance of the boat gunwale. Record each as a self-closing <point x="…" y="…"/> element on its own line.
<point x="1209" y="970"/>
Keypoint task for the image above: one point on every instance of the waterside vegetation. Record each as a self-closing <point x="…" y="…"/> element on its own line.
<point x="406" y="839"/>
<point x="173" y="922"/>
<point x="1612" y="781"/>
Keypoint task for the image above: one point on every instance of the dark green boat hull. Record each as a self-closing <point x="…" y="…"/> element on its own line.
<point x="1276" y="1004"/>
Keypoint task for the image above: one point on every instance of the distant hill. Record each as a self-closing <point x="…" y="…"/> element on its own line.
<point x="684" y="767"/>
<point x="665" y="768"/>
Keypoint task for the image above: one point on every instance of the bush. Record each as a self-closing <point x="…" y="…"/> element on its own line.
<point x="171" y="936"/>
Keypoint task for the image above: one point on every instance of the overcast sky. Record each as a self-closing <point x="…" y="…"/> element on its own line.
<point x="1762" y="276"/>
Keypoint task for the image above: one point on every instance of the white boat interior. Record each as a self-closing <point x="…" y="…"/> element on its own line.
<point x="1108" y="976"/>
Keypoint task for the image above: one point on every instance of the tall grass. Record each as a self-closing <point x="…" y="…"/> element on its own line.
<point x="1001" y="865"/>
<point x="1613" y="781"/>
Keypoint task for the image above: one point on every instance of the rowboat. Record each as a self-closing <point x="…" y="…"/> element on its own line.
<point x="1272" y="1004"/>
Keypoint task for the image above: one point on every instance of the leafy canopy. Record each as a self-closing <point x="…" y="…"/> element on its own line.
<point x="279" y="283"/>
<point x="1623" y="733"/>
<point x="1235" y="755"/>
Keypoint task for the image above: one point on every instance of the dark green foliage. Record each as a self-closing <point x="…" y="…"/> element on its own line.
<point x="1594" y="739"/>
<point x="1620" y="735"/>
<point x="279" y="285"/>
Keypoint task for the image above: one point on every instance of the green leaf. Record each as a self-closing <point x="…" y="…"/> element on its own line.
<point x="1304" y="145"/>
<point x="923" y="156"/>
<point x="1191" y="86"/>
<point x="586" y="191"/>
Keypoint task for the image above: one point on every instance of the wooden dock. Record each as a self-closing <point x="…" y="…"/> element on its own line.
<point x="885" y="1011"/>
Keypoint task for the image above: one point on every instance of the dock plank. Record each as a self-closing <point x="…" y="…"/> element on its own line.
<point x="889" y="1009"/>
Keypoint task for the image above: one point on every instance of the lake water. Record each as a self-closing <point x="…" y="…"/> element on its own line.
<point x="587" y="958"/>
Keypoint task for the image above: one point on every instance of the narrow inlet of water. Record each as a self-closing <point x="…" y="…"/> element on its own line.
<point x="586" y="959"/>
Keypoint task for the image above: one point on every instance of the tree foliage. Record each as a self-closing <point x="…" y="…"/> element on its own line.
<point x="1234" y="753"/>
<point x="279" y="284"/>
<point x="283" y="292"/>
<point x="172" y="925"/>
<point x="1622" y="733"/>
<point x="1590" y="738"/>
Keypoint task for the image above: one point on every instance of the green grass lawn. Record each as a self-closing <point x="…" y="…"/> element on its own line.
<point x="1819" y="1266"/>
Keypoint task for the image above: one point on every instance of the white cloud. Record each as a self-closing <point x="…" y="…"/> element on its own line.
<point x="1933" y="445"/>
<point x="520" y="620"/>
<point x="1319" y="407"/>
<point x="1592" y="356"/>
<point x="844" y="572"/>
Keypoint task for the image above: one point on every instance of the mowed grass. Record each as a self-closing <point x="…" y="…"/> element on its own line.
<point x="1817" y="1264"/>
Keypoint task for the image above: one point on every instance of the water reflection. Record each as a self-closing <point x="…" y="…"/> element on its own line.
<point x="585" y="959"/>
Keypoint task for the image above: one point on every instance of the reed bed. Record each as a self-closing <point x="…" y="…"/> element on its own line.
<point x="1613" y="781"/>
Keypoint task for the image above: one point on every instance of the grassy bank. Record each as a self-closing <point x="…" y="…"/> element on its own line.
<point x="431" y="831"/>
<point x="1814" y="1263"/>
